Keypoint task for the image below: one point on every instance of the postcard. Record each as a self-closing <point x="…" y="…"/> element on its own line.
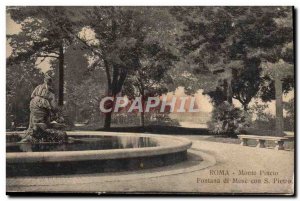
<point x="165" y="100"/>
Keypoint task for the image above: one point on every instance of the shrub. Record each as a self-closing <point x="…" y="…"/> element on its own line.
<point x="264" y="120"/>
<point x="163" y="120"/>
<point x="270" y="123"/>
<point x="227" y="120"/>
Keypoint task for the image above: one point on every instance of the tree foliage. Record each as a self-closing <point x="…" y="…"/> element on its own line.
<point x="226" y="46"/>
<point x="123" y="37"/>
<point x="230" y="52"/>
<point x="43" y="36"/>
<point x="41" y="32"/>
<point x="227" y="120"/>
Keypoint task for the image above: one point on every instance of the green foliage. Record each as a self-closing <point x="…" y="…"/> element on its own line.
<point x="42" y="32"/>
<point x="227" y="120"/>
<point x="264" y="120"/>
<point x="246" y="82"/>
<point x="258" y="110"/>
<point x="290" y="107"/>
<point x="133" y="44"/>
<point x="214" y="38"/>
<point x="44" y="35"/>
<point x="152" y="77"/>
<point x="267" y="89"/>
<point x="130" y="44"/>
<point x="41" y="134"/>
<point x="223" y="50"/>
<point x="163" y="120"/>
<point x="83" y="85"/>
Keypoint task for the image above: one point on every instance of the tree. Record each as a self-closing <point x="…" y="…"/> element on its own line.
<point x="206" y="45"/>
<point x="83" y="84"/>
<point x="227" y="120"/>
<point x="278" y="71"/>
<point x="246" y="83"/>
<point x="277" y="56"/>
<point x="152" y="77"/>
<point x="215" y="38"/>
<point x="42" y="36"/>
<point x="222" y="40"/>
<point x="120" y="33"/>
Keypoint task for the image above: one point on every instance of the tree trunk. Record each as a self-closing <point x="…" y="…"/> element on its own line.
<point x="61" y="77"/>
<point x="228" y="90"/>
<point x="245" y="106"/>
<point x="279" y="108"/>
<point x="143" y="119"/>
<point x="107" y="120"/>
<point x="143" y="113"/>
<point x="115" y="87"/>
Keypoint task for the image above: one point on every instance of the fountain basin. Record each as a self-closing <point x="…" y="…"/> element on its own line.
<point x="162" y="150"/>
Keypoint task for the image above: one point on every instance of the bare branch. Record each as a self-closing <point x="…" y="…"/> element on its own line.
<point x="83" y="42"/>
<point x="47" y="55"/>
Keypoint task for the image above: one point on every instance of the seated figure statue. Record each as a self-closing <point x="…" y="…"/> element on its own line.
<point x="43" y="109"/>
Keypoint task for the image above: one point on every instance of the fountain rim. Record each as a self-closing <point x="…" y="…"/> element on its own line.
<point x="174" y="145"/>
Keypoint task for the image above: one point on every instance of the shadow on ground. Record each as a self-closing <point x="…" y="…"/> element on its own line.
<point x="174" y="130"/>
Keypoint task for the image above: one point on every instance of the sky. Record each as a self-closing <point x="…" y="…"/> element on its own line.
<point x="203" y="101"/>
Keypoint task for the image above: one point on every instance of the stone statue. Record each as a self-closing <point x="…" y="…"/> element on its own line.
<point x="43" y="110"/>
